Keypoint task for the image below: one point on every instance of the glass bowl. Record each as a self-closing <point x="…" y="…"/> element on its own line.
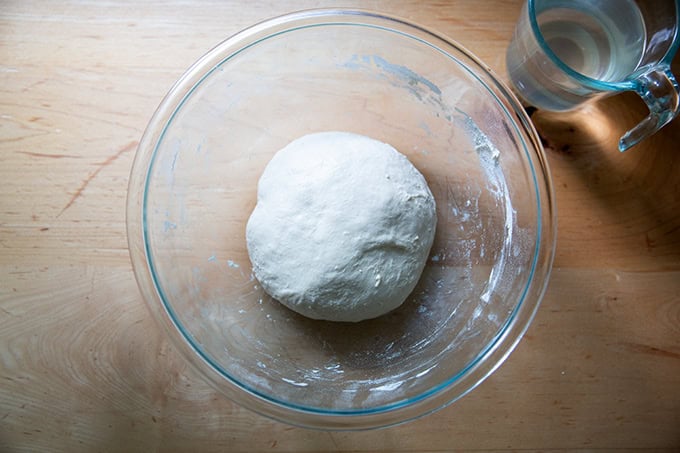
<point x="193" y="186"/>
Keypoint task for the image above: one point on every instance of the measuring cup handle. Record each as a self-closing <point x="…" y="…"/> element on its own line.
<point x="659" y="89"/>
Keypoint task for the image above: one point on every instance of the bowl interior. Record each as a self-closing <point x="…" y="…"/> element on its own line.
<point x="249" y="99"/>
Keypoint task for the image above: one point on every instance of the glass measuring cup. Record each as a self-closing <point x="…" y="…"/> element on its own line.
<point x="566" y="52"/>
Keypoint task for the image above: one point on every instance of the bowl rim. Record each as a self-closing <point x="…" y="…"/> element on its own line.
<point x="454" y="388"/>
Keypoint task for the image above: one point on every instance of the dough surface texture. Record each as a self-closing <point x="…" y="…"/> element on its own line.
<point x="342" y="227"/>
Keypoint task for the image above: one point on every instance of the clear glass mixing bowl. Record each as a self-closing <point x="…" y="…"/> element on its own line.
<point x="193" y="187"/>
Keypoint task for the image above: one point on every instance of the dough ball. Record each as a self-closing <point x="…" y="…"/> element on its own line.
<point x="342" y="227"/>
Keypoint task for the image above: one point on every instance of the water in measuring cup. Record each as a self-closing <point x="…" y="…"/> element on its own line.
<point x="594" y="45"/>
<point x="593" y="38"/>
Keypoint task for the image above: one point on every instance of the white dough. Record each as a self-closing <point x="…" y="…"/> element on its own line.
<point x="342" y="227"/>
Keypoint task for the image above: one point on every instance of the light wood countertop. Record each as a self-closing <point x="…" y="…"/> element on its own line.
<point x="83" y="367"/>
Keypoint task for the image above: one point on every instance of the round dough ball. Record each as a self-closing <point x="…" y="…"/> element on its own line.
<point x="342" y="227"/>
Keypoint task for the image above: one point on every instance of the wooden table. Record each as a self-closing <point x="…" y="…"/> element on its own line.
<point x="84" y="368"/>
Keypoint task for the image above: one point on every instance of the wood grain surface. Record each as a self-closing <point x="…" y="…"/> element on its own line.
<point x="83" y="367"/>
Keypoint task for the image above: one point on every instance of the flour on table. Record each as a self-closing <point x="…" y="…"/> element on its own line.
<point x="342" y="227"/>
